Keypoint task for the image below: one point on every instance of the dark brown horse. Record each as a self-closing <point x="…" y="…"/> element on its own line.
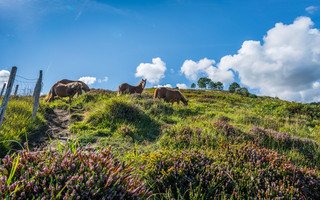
<point x="170" y="95"/>
<point x="84" y="87"/>
<point x="130" y="89"/>
<point x="64" y="90"/>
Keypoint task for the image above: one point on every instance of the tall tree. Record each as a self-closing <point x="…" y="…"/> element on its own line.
<point x="203" y="82"/>
<point x="233" y="87"/>
<point x="212" y="85"/>
<point x="219" y="85"/>
<point x="193" y="85"/>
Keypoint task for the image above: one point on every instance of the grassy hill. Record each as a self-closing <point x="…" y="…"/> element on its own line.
<point x="221" y="145"/>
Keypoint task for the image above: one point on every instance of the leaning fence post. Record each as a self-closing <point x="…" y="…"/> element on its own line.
<point x="4" y="87"/>
<point x="16" y="90"/>
<point x="7" y="94"/>
<point x="36" y="93"/>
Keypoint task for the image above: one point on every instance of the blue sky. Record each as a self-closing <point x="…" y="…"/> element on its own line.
<point x="99" y="38"/>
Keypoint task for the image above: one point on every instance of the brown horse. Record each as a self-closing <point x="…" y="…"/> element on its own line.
<point x="64" y="90"/>
<point x="129" y="89"/>
<point x="84" y="87"/>
<point x="170" y="95"/>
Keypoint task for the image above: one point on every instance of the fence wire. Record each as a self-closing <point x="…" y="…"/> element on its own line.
<point x="22" y="86"/>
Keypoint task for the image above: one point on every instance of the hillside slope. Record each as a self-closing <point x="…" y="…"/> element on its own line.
<point x="221" y="144"/>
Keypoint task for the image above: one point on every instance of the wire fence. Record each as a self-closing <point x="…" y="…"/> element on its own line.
<point x="19" y="85"/>
<point x="22" y="86"/>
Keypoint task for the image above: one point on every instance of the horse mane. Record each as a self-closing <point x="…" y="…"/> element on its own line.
<point x="140" y="83"/>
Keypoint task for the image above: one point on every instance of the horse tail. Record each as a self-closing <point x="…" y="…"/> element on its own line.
<point x="155" y="94"/>
<point x="119" y="89"/>
<point x="51" y="94"/>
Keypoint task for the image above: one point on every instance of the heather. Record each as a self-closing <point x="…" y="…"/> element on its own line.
<point x="237" y="172"/>
<point x="221" y="146"/>
<point x="74" y="173"/>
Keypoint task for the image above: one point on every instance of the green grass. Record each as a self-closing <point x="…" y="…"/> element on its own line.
<point x="18" y="124"/>
<point x="215" y="123"/>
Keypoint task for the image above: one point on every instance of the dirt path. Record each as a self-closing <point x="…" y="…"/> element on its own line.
<point x="58" y="122"/>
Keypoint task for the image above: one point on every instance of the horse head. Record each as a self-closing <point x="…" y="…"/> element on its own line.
<point x="144" y="83"/>
<point x="84" y="86"/>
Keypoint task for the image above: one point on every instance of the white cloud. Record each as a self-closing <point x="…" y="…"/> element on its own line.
<point x="166" y="85"/>
<point x="103" y="80"/>
<point x="182" y="86"/>
<point x="88" y="80"/>
<point x="311" y="9"/>
<point x="153" y="72"/>
<point x="192" y="70"/>
<point x="4" y="77"/>
<point x="286" y="65"/>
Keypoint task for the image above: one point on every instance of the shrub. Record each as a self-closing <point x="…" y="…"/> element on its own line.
<point x="245" y="172"/>
<point x="242" y="91"/>
<point x="77" y="174"/>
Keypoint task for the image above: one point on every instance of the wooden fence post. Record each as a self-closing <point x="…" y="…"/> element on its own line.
<point x="7" y="94"/>
<point x="36" y="93"/>
<point x="3" y="88"/>
<point x="16" y="90"/>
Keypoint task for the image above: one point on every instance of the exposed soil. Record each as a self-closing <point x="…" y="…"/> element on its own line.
<point x="58" y="123"/>
<point x="57" y="129"/>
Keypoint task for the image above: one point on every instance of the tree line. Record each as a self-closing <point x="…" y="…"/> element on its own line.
<point x="205" y="82"/>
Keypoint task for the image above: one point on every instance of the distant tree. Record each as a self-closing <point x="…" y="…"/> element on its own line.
<point x="252" y="95"/>
<point x="242" y="91"/>
<point x="203" y="82"/>
<point x="212" y="85"/>
<point x="219" y="85"/>
<point x="233" y="87"/>
<point x="193" y="85"/>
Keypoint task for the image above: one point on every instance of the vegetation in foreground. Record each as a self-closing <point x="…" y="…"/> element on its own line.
<point x="222" y="145"/>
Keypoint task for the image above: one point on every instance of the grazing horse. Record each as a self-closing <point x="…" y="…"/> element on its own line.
<point x="126" y="88"/>
<point x="84" y="87"/>
<point x="64" y="90"/>
<point x="170" y="95"/>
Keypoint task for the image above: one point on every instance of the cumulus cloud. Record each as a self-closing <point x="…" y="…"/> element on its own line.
<point x="88" y="80"/>
<point x="105" y="79"/>
<point x="286" y="64"/>
<point x="153" y="72"/>
<point x="182" y="86"/>
<point x="311" y="9"/>
<point x="4" y="77"/>
<point x="166" y="85"/>
<point x="192" y="70"/>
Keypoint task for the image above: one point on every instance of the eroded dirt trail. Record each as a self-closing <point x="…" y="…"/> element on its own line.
<point x="58" y="123"/>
